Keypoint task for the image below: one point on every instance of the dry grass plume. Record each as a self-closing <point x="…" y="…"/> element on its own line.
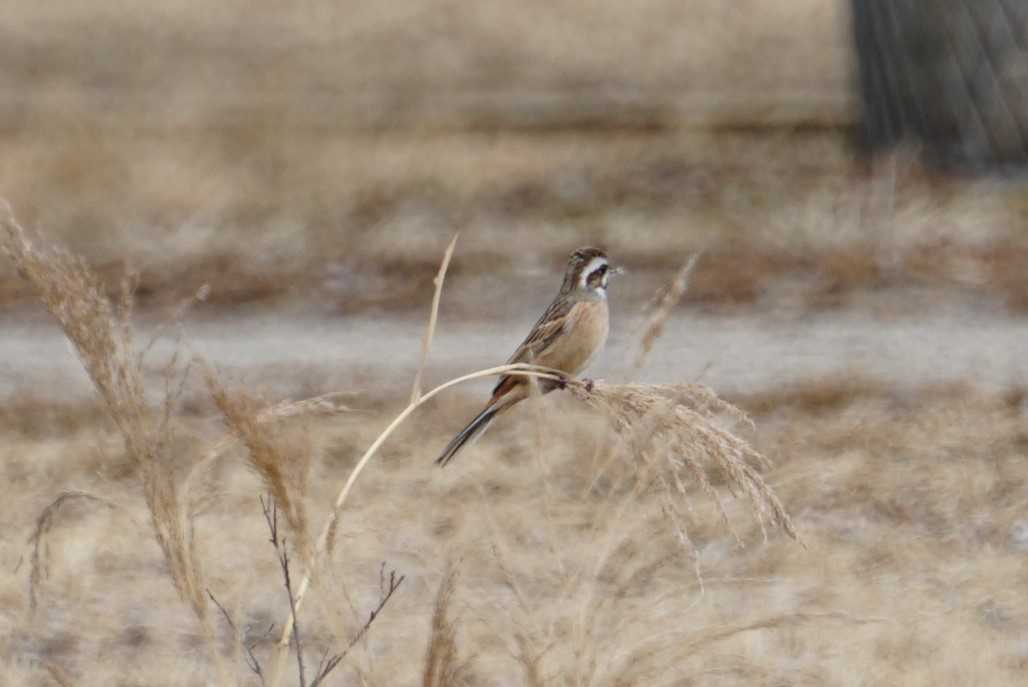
<point x="676" y="432"/>
<point x="281" y="458"/>
<point x="443" y="665"/>
<point x="103" y="339"/>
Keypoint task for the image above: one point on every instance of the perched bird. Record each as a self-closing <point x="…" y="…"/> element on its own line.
<point x="567" y="337"/>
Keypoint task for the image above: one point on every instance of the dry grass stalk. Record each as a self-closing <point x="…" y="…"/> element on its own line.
<point x="649" y="659"/>
<point x="326" y="537"/>
<point x="328" y="663"/>
<point x="665" y="304"/>
<point x="678" y="423"/>
<point x="426" y="342"/>
<point x="251" y="659"/>
<point x="387" y="586"/>
<point x="282" y="462"/>
<point x="44" y="524"/>
<point x="530" y="660"/>
<point x="575" y="632"/>
<point x="103" y="340"/>
<point x="677" y="426"/>
<point x="325" y="405"/>
<point x="443" y="667"/>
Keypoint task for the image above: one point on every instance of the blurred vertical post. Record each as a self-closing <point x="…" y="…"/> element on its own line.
<point x="949" y="77"/>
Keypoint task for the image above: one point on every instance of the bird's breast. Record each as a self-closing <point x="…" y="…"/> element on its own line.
<point x="588" y="324"/>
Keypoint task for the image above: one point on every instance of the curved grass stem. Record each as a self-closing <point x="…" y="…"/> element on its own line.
<point x="517" y="369"/>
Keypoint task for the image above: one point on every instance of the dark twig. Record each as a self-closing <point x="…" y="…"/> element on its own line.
<point x="251" y="661"/>
<point x="387" y="587"/>
<point x="386" y="591"/>
<point x="270" y="509"/>
<point x="322" y="670"/>
<point x="271" y="517"/>
<point x="283" y="559"/>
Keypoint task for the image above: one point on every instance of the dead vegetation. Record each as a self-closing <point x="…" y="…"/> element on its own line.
<point x="684" y="446"/>
<point x="674" y="430"/>
<point x="298" y="202"/>
<point x="893" y="492"/>
<point x="785" y="213"/>
<point x="103" y="340"/>
<point x="443" y="665"/>
<point x="282" y="458"/>
<point x="613" y="558"/>
<point x="591" y="540"/>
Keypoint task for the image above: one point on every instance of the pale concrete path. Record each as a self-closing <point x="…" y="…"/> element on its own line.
<point x="290" y="354"/>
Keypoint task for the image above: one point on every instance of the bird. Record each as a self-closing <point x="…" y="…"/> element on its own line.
<point x="571" y="331"/>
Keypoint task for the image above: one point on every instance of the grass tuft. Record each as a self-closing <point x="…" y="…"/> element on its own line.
<point x="103" y="339"/>
<point x="282" y="459"/>
<point x="443" y="665"/>
<point x="675" y="431"/>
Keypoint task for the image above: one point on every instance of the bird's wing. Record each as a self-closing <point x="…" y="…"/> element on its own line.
<point x="554" y="321"/>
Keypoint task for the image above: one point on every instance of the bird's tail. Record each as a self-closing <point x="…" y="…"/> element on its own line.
<point x="474" y="430"/>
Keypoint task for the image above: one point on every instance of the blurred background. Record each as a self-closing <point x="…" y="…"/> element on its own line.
<point x="310" y="161"/>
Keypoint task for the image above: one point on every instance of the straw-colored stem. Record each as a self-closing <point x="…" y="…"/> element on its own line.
<point x="662" y="311"/>
<point x="426" y="341"/>
<point x="517" y="369"/>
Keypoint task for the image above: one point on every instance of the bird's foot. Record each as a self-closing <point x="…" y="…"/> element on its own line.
<point x="588" y="385"/>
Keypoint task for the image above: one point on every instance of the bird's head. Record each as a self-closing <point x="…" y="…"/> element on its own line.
<point x="588" y="271"/>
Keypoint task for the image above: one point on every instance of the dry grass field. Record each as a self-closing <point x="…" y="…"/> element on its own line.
<point x="356" y="223"/>
<point x="557" y="551"/>
<point x="304" y="166"/>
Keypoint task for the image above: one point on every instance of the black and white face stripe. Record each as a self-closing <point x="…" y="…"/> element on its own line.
<point x="595" y="274"/>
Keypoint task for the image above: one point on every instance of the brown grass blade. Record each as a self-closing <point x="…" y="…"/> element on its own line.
<point x="673" y="293"/>
<point x="283" y="465"/>
<point x="426" y="341"/>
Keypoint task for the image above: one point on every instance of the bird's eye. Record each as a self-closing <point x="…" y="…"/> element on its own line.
<point x="602" y="270"/>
